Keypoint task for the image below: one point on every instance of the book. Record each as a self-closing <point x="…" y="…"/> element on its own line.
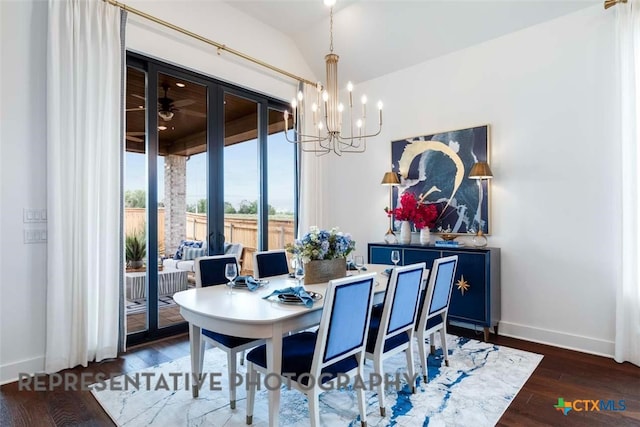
<point x="447" y="243"/>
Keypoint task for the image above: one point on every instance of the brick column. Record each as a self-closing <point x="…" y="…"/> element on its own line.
<point x="175" y="201"/>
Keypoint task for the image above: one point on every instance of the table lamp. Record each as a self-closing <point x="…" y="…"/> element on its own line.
<point x="390" y="179"/>
<point x="480" y="171"/>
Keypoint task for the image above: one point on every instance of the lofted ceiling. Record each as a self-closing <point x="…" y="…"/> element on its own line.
<point x="377" y="37"/>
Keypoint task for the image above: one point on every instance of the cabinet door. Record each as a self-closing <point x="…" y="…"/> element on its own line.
<point x="382" y="255"/>
<point x="413" y="256"/>
<point x="472" y="305"/>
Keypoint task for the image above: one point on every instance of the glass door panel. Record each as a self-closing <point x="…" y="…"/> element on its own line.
<point x="280" y="183"/>
<point x="181" y="188"/>
<point x="135" y="203"/>
<point x="241" y="178"/>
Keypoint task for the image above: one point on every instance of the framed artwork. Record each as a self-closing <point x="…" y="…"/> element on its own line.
<point x="435" y="168"/>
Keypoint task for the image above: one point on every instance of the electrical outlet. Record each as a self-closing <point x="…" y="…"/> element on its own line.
<point x="34" y="215"/>
<point x="35" y="236"/>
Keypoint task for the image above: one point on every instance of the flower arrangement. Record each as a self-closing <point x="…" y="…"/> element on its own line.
<point x="322" y="245"/>
<point x="410" y="209"/>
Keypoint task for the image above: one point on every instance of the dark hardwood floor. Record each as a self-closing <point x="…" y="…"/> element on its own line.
<point x="562" y="373"/>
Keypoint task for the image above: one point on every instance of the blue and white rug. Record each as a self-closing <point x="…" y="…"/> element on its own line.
<point x="474" y="390"/>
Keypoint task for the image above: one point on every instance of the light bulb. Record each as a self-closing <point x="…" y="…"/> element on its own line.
<point x="340" y="108"/>
<point x="320" y="126"/>
<point x="294" y="103"/>
<point x="329" y="3"/>
<point x="286" y="114"/>
<point x="299" y="95"/>
<point x="363" y="99"/>
<point x="314" y="107"/>
<point x="359" y="123"/>
<point x="350" y="87"/>
<point x="325" y="96"/>
<point x="379" y="105"/>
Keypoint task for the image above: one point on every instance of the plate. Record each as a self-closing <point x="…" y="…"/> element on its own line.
<point x="261" y="284"/>
<point x="295" y="300"/>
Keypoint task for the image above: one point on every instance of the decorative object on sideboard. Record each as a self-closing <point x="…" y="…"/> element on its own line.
<point x="324" y="254"/>
<point x="326" y="114"/>
<point x="480" y="172"/>
<point x="434" y="167"/>
<point x="390" y="179"/>
<point x="413" y="210"/>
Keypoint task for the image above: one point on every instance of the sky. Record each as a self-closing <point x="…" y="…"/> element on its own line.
<point x="240" y="174"/>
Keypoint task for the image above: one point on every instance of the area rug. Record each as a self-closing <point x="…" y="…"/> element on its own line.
<point x="140" y="305"/>
<point x="474" y="390"/>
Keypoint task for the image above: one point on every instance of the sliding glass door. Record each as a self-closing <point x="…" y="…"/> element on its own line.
<point x="196" y="179"/>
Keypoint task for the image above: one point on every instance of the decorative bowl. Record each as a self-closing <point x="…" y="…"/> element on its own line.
<point x="447" y="236"/>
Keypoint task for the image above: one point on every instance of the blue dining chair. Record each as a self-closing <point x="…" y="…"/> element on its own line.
<point x="391" y="330"/>
<point x="434" y="308"/>
<point x="336" y="348"/>
<point x="270" y="263"/>
<point x="210" y="272"/>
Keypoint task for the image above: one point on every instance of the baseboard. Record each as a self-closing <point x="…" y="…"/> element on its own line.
<point x="557" y="339"/>
<point x="9" y="372"/>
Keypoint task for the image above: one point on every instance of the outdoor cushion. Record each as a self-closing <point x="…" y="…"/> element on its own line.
<point x="189" y="253"/>
<point x="186" y="243"/>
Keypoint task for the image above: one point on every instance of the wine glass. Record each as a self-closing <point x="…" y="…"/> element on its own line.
<point x="231" y="272"/>
<point x="298" y="271"/>
<point x="359" y="261"/>
<point x="395" y="257"/>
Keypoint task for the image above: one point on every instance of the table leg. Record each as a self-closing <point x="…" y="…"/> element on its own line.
<point x="197" y="354"/>
<point x="274" y="364"/>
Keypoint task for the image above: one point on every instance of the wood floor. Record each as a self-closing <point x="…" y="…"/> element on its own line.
<point x="562" y="373"/>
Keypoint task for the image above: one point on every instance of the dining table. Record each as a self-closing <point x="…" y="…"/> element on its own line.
<point x="246" y="313"/>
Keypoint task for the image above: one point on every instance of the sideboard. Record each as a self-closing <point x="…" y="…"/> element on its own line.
<point x="475" y="298"/>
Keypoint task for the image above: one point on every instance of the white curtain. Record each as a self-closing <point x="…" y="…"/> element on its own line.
<point x="627" y="341"/>
<point x="313" y="204"/>
<point x="83" y="189"/>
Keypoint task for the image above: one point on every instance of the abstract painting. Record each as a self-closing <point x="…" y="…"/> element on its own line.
<point x="435" y="168"/>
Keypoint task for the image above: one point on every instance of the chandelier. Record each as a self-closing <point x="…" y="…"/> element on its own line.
<point x="326" y="114"/>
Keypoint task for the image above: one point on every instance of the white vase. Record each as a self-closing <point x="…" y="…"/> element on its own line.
<point x="405" y="233"/>
<point x="425" y="236"/>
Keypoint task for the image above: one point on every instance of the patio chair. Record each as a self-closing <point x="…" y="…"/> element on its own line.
<point x="334" y="349"/>
<point x="210" y="272"/>
<point x="391" y="331"/>
<point x="434" y="308"/>
<point x="270" y="263"/>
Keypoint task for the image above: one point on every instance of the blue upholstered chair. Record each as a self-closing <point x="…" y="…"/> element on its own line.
<point x="391" y="330"/>
<point x="270" y="263"/>
<point x="337" y="347"/>
<point x="210" y="272"/>
<point x="434" y="308"/>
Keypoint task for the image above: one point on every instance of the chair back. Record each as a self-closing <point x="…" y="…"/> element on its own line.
<point x="438" y="293"/>
<point x="210" y="269"/>
<point x="234" y="249"/>
<point x="345" y="321"/>
<point x="400" y="309"/>
<point x="270" y="263"/>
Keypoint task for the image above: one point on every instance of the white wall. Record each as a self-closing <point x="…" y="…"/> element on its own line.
<point x="23" y="134"/>
<point x="23" y="267"/>
<point x="548" y="94"/>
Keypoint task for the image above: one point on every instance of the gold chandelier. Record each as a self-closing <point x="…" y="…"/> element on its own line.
<point x="326" y="114"/>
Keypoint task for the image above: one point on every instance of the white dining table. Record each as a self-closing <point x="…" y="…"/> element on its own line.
<point x="247" y="314"/>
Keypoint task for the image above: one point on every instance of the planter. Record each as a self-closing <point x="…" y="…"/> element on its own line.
<point x="425" y="236"/>
<point x="321" y="271"/>
<point x="136" y="264"/>
<point x="405" y="233"/>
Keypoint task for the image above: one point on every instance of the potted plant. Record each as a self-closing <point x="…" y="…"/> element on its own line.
<point x="135" y="250"/>
<point x="413" y="210"/>
<point x="324" y="254"/>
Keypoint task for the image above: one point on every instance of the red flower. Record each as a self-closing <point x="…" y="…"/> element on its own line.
<point x="421" y="214"/>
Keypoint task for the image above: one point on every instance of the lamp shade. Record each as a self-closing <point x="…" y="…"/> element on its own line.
<point x="481" y="170"/>
<point x="390" y="178"/>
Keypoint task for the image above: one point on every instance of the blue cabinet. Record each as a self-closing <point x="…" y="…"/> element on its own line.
<point x="475" y="299"/>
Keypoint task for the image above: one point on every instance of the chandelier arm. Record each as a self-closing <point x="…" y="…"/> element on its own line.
<point x="303" y="138"/>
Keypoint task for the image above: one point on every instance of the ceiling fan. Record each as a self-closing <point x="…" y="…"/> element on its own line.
<point x="167" y="107"/>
